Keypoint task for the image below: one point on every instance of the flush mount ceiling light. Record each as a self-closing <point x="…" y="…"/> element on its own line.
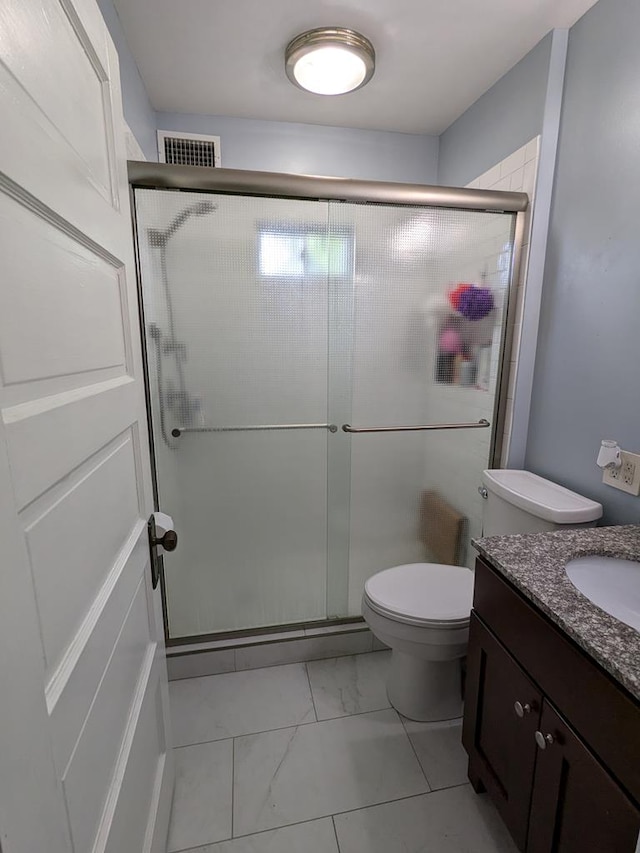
<point x="330" y="61"/>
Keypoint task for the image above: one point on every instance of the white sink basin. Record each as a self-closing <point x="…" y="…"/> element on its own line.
<point x="612" y="584"/>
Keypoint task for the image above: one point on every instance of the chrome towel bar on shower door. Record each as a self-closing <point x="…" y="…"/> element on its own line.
<point x="178" y="431"/>
<point x="481" y="424"/>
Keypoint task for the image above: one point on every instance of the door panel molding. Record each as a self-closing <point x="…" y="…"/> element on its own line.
<point x="94" y="757"/>
<point x="72" y="686"/>
<point x="78" y="423"/>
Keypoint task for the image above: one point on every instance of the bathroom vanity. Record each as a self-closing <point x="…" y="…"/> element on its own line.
<point x="552" y="705"/>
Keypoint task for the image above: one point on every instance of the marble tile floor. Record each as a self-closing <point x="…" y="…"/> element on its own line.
<point x="311" y="758"/>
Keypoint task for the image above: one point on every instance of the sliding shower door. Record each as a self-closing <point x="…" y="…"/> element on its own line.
<point x="235" y="293"/>
<point x="430" y="291"/>
<point x="323" y="379"/>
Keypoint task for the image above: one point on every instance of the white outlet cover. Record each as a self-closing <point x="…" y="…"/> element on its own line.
<point x="613" y="476"/>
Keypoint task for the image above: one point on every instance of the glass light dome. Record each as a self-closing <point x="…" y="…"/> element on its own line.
<point x="330" y="61"/>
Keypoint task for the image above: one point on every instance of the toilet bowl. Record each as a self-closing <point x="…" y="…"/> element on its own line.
<point x="422" y="610"/>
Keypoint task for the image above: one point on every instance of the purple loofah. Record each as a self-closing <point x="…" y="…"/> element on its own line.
<point x="475" y="303"/>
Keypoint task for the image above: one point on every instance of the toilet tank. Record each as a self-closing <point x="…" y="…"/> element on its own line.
<point x="522" y="502"/>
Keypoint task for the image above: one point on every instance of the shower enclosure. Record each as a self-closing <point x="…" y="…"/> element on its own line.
<point x="324" y="365"/>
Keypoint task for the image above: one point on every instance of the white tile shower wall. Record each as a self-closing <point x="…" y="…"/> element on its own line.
<point x="453" y="467"/>
<point x="454" y="460"/>
<point x="520" y="170"/>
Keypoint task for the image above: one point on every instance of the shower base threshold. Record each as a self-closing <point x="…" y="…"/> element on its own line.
<point x="196" y="656"/>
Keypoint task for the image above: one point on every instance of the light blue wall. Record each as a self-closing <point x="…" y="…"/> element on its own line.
<point x="276" y="146"/>
<point x="502" y="120"/>
<point x="587" y="376"/>
<point x="138" y="112"/>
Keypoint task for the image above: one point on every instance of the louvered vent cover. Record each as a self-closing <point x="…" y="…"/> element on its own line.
<point x="189" y="149"/>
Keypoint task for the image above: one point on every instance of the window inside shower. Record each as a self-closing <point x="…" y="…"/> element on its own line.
<point x="302" y="252"/>
<point x="271" y="324"/>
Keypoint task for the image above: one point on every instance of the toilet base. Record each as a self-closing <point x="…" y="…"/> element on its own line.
<point x="425" y="690"/>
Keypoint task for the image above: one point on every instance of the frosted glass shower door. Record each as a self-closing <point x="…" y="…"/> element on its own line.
<point x="424" y="351"/>
<point x="236" y="319"/>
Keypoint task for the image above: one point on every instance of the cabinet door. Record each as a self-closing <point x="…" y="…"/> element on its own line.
<point x="576" y="806"/>
<point x="502" y="712"/>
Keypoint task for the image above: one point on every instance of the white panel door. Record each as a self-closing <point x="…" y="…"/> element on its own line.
<point x="84" y="760"/>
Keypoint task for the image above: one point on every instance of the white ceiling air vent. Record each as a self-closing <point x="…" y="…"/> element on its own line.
<point x="188" y="149"/>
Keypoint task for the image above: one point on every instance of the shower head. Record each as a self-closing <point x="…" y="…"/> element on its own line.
<point x="201" y="208"/>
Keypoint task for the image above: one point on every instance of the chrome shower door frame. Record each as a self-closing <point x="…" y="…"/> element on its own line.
<point x="162" y="176"/>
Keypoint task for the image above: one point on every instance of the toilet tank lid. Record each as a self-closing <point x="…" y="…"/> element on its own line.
<point x="541" y="497"/>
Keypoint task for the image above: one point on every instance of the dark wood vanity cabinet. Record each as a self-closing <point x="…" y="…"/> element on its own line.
<point x="551" y="737"/>
<point x="576" y="804"/>
<point x="499" y="739"/>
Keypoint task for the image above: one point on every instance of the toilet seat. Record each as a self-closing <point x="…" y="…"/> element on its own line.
<point x="424" y="594"/>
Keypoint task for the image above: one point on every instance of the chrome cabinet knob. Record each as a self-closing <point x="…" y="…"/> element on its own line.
<point x="483" y="492"/>
<point x="521" y="709"/>
<point x="543" y="740"/>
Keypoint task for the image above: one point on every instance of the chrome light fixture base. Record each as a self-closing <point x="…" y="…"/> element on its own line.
<point x="341" y="41"/>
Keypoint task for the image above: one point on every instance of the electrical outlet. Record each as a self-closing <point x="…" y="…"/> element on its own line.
<point x="627" y="476"/>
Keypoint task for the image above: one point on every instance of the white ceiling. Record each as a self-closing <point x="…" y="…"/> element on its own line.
<point x="434" y="57"/>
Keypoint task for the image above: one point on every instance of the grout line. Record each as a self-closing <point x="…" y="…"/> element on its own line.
<point x="449" y="787"/>
<point x="288" y="726"/>
<point x="275" y="665"/>
<point x="398" y="800"/>
<point x="313" y="701"/>
<point x="318" y="818"/>
<point x="208" y="844"/>
<point x="335" y="832"/>
<point x="336" y="814"/>
<point x="303" y="660"/>
<point x="424" y="772"/>
<point x="233" y="780"/>
<point x="325" y="816"/>
<point x="330" y="656"/>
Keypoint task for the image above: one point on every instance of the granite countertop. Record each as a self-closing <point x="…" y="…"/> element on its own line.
<point x="534" y="563"/>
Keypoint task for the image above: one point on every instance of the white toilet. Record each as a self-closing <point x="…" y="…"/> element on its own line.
<point x="421" y="610"/>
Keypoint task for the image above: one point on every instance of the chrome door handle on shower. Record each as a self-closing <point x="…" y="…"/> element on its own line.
<point x="178" y="431"/>
<point x="481" y="424"/>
